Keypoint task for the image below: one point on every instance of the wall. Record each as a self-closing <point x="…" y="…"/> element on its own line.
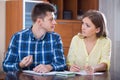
<point x="2" y="31"/>
<point x="117" y="36"/>
<point x="111" y="8"/>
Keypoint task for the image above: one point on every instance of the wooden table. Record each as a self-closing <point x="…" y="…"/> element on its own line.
<point x="25" y="76"/>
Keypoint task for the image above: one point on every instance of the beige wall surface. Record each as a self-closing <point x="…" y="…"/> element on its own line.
<point x="2" y="31"/>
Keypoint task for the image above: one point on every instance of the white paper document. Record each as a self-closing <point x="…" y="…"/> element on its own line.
<point x="83" y="72"/>
<point x="62" y="73"/>
<point x="33" y="72"/>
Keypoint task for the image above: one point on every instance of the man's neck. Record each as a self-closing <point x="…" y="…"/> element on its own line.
<point x="38" y="33"/>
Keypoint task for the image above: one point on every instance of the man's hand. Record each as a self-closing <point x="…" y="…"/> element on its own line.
<point x="43" y="68"/>
<point x="26" y="61"/>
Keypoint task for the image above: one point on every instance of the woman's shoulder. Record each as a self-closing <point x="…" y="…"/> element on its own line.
<point x="105" y="39"/>
<point x="78" y="36"/>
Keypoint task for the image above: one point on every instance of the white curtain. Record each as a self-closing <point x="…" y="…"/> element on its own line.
<point x="111" y="9"/>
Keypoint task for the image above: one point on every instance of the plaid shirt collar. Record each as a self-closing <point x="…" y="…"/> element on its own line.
<point x="33" y="36"/>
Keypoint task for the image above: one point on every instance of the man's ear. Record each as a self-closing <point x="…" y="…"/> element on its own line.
<point x="39" y="21"/>
<point x="97" y="30"/>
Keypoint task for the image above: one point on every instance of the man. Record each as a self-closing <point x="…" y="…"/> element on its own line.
<point x="38" y="48"/>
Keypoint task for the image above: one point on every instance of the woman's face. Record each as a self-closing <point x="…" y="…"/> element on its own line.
<point x="88" y="28"/>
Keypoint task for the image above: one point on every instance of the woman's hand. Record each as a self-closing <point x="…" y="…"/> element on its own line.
<point x="75" y="68"/>
<point x="89" y="70"/>
<point x="99" y="67"/>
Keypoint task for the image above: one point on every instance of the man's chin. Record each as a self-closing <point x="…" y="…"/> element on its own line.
<point x="51" y="31"/>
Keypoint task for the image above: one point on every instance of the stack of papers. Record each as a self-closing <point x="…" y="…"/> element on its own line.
<point x="66" y="74"/>
<point x="62" y="73"/>
<point x="33" y="72"/>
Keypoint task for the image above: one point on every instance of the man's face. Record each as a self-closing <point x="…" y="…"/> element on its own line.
<point x="48" y="23"/>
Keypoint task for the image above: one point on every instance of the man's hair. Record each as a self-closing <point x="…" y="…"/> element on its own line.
<point x="40" y="9"/>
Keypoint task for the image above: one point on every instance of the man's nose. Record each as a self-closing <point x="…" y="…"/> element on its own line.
<point x="54" y="22"/>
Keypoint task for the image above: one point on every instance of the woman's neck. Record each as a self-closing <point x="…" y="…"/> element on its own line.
<point x="91" y="39"/>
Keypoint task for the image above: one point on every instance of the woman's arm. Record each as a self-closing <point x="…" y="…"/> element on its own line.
<point x="98" y="68"/>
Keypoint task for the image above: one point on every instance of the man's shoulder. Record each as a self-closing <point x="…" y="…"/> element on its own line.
<point x="54" y="34"/>
<point x="24" y="31"/>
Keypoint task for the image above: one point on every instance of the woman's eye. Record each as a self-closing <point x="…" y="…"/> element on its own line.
<point x="87" y="25"/>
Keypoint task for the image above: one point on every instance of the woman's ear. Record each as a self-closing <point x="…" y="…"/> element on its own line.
<point x="97" y="30"/>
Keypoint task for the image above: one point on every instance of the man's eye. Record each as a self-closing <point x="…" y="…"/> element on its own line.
<point x="82" y="22"/>
<point x="51" y="19"/>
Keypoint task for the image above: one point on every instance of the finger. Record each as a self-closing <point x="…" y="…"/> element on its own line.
<point x="89" y="70"/>
<point x="31" y="59"/>
<point x="30" y="56"/>
<point x="37" y="68"/>
<point x="28" y="60"/>
<point x="75" y="68"/>
<point x="24" y="61"/>
<point x="43" y="68"/>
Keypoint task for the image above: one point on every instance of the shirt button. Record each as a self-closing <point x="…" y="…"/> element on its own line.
<point x="86" y="64"/>
<point x="87" y="59"/>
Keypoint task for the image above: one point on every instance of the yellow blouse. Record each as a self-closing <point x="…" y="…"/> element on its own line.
<point x="101" y="52"/>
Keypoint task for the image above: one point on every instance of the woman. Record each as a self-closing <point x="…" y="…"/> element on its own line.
<point x="90" y="50"/>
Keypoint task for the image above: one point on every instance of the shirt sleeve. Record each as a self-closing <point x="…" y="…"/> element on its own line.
<point x="106" y="53"/>
<point x="10" y="62"/>
<point x="71" y="53"/>
<point x="59" y="62"/>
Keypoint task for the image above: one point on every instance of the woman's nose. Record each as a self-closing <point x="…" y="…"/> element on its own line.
<point x="83" y="26"/>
